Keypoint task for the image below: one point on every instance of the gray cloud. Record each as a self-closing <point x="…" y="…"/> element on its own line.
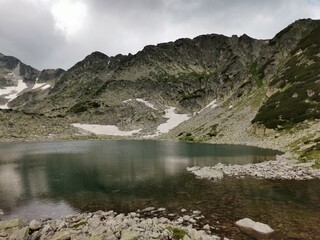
<point x="28" y="28"/>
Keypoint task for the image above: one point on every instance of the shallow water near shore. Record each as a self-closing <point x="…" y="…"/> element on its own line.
<point x="54" y="179"/>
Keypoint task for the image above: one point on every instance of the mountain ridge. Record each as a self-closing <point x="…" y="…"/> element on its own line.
<point x="258" y="82"/>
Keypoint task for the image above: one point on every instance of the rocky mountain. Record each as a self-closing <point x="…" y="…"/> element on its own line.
<point x="220" y="88"/>
<point x="17" y="79"/>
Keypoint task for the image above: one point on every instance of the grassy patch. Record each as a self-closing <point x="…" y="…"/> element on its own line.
<point x="177" y="233"/>
<point x="316" y="165"/>
<point x="257" y="75"/>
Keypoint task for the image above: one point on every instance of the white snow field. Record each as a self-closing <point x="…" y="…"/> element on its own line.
<point x="111" y="130"/>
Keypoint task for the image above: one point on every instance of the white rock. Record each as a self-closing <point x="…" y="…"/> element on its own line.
<point x="186" y="218"/>
<point x="161" y="209"/>
<point x="209" y="173"/>
<point x="148" y="209"/>
<point x="206" y="227"/>
<point x="255" y="229"/>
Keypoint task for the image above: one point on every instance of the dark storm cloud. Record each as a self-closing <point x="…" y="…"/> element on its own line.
<point x="28" y="29"/>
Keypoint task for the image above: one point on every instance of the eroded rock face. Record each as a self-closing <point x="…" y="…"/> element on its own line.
<point x="255" y="229"/>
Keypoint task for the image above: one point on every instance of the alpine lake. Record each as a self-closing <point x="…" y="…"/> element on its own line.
<point x="55" y="179"/>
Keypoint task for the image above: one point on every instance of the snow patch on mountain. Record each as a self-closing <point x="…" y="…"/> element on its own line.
<point x="174" y="119"/>
<point x="148" y="104"/>
<point x="211" y="105"/>
<point x="12" y="92"/>
<point x="110" y="130"/>
<point x="43" y="86"/>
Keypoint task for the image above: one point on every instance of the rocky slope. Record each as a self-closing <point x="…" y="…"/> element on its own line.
<point x="233" y="89"/>
<point x="20" y="83"/>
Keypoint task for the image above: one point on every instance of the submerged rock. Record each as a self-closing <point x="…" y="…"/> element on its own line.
<point x="255" y="229"/>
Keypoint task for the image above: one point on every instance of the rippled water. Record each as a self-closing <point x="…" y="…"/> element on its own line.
<point x="52" y="179"/>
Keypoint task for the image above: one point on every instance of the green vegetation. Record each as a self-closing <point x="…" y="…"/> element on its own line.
<point x="299" y="97"/>
<point x="312" y="152"/>
<point x="317" y="164"/>
<point x="257" y="75"/>
<point x="213" y="131"/>
<point x="177" y="233"/>
<point x="187" y="138"/>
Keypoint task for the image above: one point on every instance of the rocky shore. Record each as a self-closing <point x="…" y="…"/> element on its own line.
<point x="110" y="226"/>
<point x="281" y="168"/>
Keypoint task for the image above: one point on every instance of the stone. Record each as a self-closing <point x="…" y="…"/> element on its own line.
<point x="1" y="212"/>
<point x="194" y="234"/>
<point x="186" y="237"/>
<point x="206" y="227"/>
<point x="11" y="224"/>
<point x="129" y="235"/>
<point x="96" y="238"/>
<point x="94" y="222"/>
<point x="35" y="236"/>
<point x="161" y="209"/>
<point x="209" y="173"/>
<point x="196" y="212"/>
<point x="155" y="235"/>
<point x="192" y="220"/>
<point x="183" y="210"/>
<point x="186" y="218"/>
<point x="34" y="225"/>
<point x="20" y="234"/>
<point x="110" y="236"/>
<point x="98" y="231"/>
<point x="46" y="229"/>
<point x="254" y="229"/>
<point x="148" y="209"/>
<point x="64" y="235"/>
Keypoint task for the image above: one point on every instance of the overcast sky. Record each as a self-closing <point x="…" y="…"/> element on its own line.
<point x="59" y="33"/>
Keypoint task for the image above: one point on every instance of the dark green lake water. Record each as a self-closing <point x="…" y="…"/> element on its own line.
<point x="53" y="179"/>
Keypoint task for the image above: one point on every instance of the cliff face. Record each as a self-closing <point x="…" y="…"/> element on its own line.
<point x="276" y="80"/>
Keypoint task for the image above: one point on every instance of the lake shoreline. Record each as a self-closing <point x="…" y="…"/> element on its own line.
<point x="283" y="168"/>
<point x="112" y="226"/>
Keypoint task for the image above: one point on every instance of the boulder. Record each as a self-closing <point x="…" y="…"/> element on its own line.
<point x="209" y="173"/>
<point x="34" y="225"/>
<point x="254" y="229"/>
